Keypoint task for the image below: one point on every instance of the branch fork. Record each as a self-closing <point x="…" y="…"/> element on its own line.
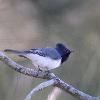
<point x="52" y="80"/>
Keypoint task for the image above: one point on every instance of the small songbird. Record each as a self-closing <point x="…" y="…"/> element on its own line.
<point x="45" y="58"/>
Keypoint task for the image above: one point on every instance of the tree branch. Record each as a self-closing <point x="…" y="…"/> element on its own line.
<point x="39" y="88"/>
<point x="46" y="75"/>
<point x="23" y="70"/>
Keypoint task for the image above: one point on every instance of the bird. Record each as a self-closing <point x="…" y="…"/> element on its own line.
<point x="47" y="58"/>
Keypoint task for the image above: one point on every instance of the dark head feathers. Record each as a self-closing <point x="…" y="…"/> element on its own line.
<point x="63" y="50"/>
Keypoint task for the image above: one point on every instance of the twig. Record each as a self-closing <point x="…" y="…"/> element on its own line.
<point x="39" y="88"/>
<point x="47" y="75"/>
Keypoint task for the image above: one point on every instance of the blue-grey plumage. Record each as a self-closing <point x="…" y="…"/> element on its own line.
<point x="45" y="52"/>
<point x="45" y="58"/>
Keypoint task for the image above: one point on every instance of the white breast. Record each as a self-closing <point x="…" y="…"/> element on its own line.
<point x="44" y="62"/>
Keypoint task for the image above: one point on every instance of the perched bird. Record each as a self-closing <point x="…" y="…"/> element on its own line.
<point x="45" y="58"/>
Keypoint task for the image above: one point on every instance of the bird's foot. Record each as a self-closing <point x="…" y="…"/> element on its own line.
<point x="45" y="70"/>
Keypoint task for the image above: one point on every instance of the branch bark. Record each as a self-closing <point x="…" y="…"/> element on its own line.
<point x="39" y="88"/>
<point x="49" y="76"/>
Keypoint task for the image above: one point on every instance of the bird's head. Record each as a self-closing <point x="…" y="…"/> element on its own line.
<point x="63" y="50"/>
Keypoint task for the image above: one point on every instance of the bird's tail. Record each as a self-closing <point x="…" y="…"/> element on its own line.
<point x="19" y="53"/>
<point x="14" y="52"/>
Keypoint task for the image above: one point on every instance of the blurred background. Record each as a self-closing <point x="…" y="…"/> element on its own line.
<point x="25" y="24"/>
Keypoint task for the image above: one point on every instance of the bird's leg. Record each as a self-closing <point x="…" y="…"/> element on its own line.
<point x="46" y="70"/>
<point x="39" y="69"/>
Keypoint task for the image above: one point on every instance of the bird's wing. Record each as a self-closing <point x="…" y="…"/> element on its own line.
<point x="38" y="51"/>
<point x="46" y="52"/>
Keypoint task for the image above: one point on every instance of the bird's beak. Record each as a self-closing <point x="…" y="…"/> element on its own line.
<point x="72" y="51"/>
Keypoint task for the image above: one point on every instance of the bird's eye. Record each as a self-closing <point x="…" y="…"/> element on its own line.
<point x="68" y="51"/>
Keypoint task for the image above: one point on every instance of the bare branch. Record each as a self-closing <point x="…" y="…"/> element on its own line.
<point x="39" y="88"/>
<point x="23" y="70"/>
<point x="73" y="91"/>
<point x="49" y="76"/>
